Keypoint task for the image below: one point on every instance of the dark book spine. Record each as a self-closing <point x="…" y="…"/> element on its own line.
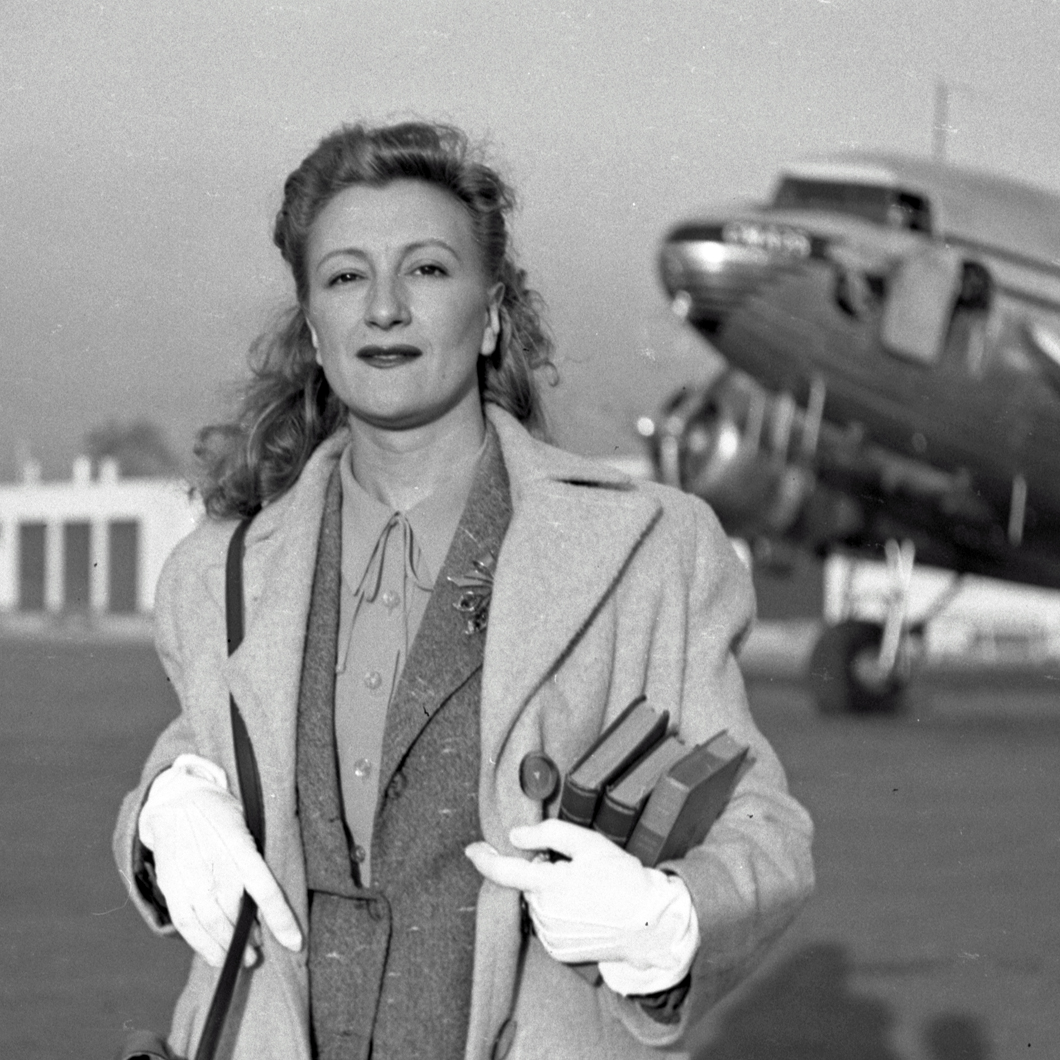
<point x="578" y="804"/>
<point x="655" y="822"/>
<point x="615" y="820"/>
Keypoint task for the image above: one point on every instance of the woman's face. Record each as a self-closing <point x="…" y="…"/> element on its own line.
<point x="399" y="304"/>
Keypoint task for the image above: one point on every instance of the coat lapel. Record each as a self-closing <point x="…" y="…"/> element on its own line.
<point x="444" y="655"/>
<point x="575" y="523"/>
<point x="281" y="549"/>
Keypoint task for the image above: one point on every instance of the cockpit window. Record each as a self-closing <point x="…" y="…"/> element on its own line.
<point x="880" y="204"/>
<point x="911" y="211"/>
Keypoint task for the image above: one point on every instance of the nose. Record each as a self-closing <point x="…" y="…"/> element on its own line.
<point x="387" y="305"/>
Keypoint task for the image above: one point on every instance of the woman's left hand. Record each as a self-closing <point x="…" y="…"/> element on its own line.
<point x="601" y="905"/>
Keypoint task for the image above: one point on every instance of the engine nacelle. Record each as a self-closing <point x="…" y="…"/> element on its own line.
<point x="739" y="449"/>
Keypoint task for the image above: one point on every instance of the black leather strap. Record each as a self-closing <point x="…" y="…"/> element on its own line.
<point x="246" y="766"/>
<point x="253" y="806"/>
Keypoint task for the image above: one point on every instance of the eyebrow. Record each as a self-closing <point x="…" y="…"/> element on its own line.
<point x="409" y="248"/>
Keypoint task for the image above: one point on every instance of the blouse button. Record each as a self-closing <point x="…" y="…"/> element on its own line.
<point x="390" y="599"/>
<point x="372" y="680"/>
<point x="362" y="768"/>
<point x="359" y="854"/>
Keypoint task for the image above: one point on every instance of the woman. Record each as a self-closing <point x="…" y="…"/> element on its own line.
<point x="434" y="596"/>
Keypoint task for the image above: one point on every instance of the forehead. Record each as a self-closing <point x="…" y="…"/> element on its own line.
<point x="395" y="215"/>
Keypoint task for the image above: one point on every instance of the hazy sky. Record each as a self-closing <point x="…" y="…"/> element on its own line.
<point x="143" y="145"/>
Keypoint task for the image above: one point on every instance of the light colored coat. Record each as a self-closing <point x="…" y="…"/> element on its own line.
<point x="603" y="589"/>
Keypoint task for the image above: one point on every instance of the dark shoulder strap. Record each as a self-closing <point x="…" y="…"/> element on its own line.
<point x="246" y="766"/>
<point x="234" y="586"/>
<point x="253" y="805"/>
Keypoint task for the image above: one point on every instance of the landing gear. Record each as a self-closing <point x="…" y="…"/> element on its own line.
<point x="863" y="667"/>
<point x="845" y="675"/>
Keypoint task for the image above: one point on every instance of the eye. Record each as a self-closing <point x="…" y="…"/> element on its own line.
<point x="344" y="277"/>
<point x="430" y="268"/>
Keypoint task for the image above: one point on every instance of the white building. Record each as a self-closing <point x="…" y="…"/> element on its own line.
<point x="90" y="546"/>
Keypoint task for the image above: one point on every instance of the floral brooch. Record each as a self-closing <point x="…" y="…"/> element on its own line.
<point x="477" y="586"/>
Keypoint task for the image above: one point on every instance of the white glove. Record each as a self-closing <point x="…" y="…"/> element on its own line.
<point x="205" y="858"/>
<point x="602" y="905"/>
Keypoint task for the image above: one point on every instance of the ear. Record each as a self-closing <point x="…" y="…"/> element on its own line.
<point x="492" y="333"/>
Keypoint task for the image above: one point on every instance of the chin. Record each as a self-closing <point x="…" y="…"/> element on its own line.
<point x="401" y="417"/>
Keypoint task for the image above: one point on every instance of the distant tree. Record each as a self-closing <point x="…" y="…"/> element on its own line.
<point x="140" y="448"/>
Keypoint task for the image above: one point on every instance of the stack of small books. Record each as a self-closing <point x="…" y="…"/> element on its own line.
<point x="646" y="790"/>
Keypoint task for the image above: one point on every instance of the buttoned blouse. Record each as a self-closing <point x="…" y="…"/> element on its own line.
<point x="389" y="562"/>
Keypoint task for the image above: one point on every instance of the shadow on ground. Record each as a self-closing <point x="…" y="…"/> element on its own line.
<point x="808" y="1008"/>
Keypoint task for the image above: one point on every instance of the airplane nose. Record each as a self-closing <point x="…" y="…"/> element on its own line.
<point x="708" y="270"/>
<point x="707" y="279"/>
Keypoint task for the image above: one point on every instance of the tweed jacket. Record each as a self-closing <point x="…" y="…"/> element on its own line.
<point x="603" y="589"/>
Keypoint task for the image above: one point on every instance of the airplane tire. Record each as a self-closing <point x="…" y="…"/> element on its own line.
<point x="836" y="681"/>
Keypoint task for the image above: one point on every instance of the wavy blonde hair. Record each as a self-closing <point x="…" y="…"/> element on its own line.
<point x="287" y="408"/>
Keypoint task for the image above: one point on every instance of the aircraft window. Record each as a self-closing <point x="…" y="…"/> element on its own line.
<point x="915" y="211"/>
<point x="869" y="201"/>
<point x="872" y="202"/>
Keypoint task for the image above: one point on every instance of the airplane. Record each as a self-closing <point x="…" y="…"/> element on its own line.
<point x="891" y="332"/>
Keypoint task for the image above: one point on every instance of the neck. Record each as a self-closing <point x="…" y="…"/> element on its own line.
<point x="401" y="468"/>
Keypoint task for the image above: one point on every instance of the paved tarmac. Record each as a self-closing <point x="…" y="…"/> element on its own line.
<point x="934" y="933"/>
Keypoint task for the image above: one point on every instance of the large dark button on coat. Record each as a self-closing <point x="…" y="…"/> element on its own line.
<point x="538" y="776"/>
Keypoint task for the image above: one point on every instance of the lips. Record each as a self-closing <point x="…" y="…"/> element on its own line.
<point x="388" y="356"/>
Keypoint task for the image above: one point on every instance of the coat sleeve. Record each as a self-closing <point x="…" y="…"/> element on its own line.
<point x="754" y="870"/>
<point x="132" y="858"/>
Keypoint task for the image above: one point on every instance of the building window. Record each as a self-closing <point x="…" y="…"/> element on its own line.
<point x="31" y="567"/>
<point x="124" y="547"/>
<point x="77" y="562"/>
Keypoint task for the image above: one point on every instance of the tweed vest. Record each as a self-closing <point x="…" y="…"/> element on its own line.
<point x="390" y="966"/>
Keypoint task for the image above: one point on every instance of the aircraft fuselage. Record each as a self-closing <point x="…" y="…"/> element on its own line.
<point x="921" y="332"/>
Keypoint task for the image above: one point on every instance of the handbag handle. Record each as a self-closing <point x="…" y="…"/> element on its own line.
<point x="253" y="806"/>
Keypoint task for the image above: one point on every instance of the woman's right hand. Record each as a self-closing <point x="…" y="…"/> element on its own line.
<point x="205" y="858"/>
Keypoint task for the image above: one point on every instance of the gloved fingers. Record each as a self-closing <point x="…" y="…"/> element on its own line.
<point x="273" y="909"/>
<point x="516" y="873"/>
<point x="209" y="930"/>
<point x="204" y="928"/>
<point x="202" y="891"/>
<point x="249" y="871"/>
<point x="571" y="840"/>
